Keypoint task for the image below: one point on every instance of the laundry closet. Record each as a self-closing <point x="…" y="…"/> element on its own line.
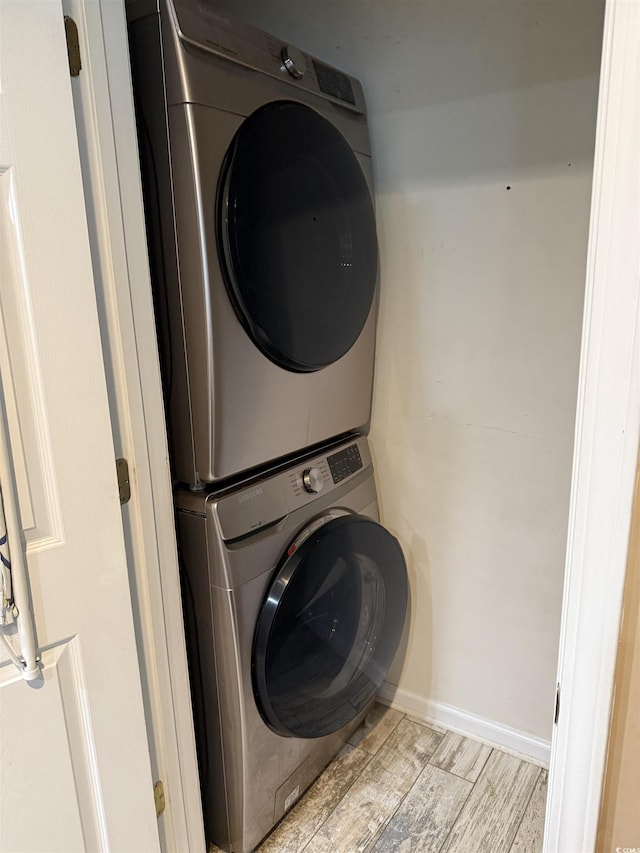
<point x="480" y="132"/>
<point x="482" y="122"/>
<point x="262" y="159"/>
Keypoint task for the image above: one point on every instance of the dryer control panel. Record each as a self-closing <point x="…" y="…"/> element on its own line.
<point x="201" y="24"/>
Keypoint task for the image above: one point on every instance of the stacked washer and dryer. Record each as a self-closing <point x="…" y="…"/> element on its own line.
<point x="258" y="195"/>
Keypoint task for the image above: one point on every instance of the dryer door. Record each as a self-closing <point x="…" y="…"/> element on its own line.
<point x="329" y="627"/>
<point x="297" y="236"/>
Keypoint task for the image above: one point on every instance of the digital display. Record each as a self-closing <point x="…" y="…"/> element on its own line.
<point x="344" y="463"/>
<point x="334" y="83"/>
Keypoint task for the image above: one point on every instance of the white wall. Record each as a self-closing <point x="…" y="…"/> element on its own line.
<point x="482" y="118"/>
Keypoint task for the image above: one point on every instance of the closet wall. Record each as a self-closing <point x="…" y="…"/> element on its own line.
<point x="482" y="119"/>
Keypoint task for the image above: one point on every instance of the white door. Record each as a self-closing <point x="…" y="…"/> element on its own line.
<point x="74" y="759"/>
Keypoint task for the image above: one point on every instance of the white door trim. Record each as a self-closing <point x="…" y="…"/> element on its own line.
<point x="111" y="173"/>
<point x="606" y="450"/>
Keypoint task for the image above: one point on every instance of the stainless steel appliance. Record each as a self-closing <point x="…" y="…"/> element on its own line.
<point x="258" y="194"/>
<point x="295" y="600"/>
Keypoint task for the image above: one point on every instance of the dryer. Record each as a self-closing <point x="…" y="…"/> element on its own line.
<point x="295" y="600"/>
<point x="259" y="202"/>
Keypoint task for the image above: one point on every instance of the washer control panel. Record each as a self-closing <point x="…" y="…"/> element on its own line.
<point x="272" y="497"/>
<point x="344" y="463"/>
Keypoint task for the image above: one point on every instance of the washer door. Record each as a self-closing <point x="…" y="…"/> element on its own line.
<point x="329" y="627"/>
<point x="297" y="236"/>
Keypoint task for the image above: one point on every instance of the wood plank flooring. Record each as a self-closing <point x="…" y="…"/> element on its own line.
<point x="401" y="786"/>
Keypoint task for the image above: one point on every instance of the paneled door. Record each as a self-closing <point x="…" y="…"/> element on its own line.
<point x="74" y="759"/>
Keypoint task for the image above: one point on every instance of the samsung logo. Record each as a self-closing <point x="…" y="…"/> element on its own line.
<point x="245" y="496"/>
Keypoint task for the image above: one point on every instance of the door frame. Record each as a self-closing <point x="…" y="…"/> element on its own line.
<point x="105" y="119"/>
<point x="606" y="448"/>
<point x="605" y="455"/>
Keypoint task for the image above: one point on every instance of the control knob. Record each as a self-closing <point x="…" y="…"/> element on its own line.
<point x="312" y="480"/>
<point x="294" y="61"/>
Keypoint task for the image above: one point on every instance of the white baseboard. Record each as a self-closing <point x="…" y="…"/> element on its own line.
<point x="503" y="737"/>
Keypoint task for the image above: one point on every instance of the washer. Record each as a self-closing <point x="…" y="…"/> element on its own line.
<point x="259" y="201"/>
<point x="295" y="600"/>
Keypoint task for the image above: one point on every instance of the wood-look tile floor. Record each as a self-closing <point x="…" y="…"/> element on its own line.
<point x="401" y="786"/>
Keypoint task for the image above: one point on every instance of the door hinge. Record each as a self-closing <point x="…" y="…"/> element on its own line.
<point x="73" y="45"/>
<point x="556" y="713"/>
<point x="158" y="796"/>
<point x="124" y="486"/>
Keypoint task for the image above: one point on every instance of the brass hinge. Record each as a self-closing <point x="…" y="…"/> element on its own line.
<point x="158" y="796"/>
<point x="124" y="486"/>
<point x="73" y="45"/>
<point x="556" y="713"/>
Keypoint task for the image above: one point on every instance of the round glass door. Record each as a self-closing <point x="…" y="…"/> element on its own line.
<point x="329" y="627"/>
<point x="297" y="236"/>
